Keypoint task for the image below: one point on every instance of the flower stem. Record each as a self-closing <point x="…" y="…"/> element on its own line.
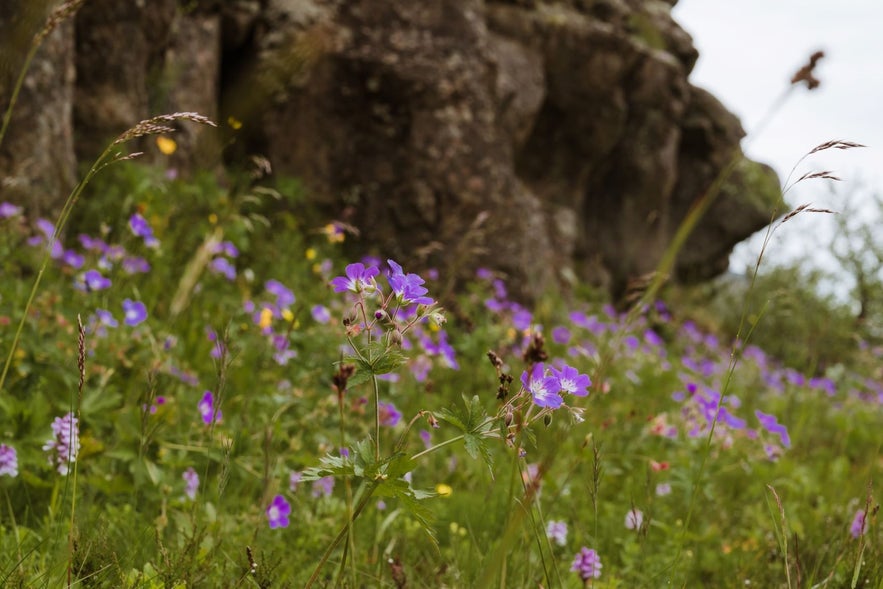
<point x="341" y="534"/>
<point x="59" y="225"/>
<point x="376" y="387"/>
<point x="7" y="116"/>
<point x="438" y="447"/>
<point x="351" y="537"/>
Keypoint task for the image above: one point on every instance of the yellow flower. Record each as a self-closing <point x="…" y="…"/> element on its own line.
<point x="310" y="254"/>
<point x="266" y="318"/>
<point x="334" y="233"/>
<point x="287" y="315"/>
<point x="234" y="123"/>
<point x="166" y="145"/>
<point x="443" y="489"/>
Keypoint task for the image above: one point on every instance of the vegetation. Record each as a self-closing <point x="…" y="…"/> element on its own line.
<point x="203" y="388"/>
<point x="245" y="386"/>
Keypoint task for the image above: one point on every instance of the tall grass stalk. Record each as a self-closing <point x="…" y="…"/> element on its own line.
<point x="781" y="532"/>
<point x="60" y="14"/>
<point x="152" y="126"/>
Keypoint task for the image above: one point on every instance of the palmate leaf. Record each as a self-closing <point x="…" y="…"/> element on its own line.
<point x="376" y="359"/>
<point x="412" y="502"/>
<point x="335" y="466"/>
<point x="362" y="464"/>
<point x="473" y="421"/>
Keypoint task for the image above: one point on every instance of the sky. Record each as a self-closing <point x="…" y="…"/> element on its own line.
<point x="748" y="51"/>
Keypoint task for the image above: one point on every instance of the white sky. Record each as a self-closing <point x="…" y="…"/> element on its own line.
<point x="749" y="49"/>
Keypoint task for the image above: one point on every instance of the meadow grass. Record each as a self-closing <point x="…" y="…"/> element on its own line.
<point x="203" y="390"/>
<point x="680" y="467"/>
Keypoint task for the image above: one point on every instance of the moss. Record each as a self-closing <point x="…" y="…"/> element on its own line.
<point x="642" y="29"/>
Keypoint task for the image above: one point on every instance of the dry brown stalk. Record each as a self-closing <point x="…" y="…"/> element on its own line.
<point x="835" y="144"/>
<point x="161" y="124"/>
<point x="806" y="73"/>
<point x="61" y="13"/>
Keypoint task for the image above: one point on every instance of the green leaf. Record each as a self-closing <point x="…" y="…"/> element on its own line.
<point x="472" y="420"/>
<point x="335" y="466"/>
<point x="412" y="502"/>
<point x="376" y="359"/>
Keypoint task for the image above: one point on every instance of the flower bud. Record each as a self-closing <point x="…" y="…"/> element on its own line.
<point x="437" y="318"/>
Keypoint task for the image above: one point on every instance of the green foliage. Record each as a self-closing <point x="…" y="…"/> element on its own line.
<point x="277" y="372"/>
<point x="789" y="317"/>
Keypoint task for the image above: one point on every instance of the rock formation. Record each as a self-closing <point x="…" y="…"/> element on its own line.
<point x="546" y="138"/>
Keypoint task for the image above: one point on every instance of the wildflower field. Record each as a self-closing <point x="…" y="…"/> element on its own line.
<point x="210" y="389"/>
<point x="206" y="383"/>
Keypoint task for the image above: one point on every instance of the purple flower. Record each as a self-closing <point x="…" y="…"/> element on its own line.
<point x="284" y="296"/>
<point x="633" y="519"/>
<point x="278" y="512"/>
<point x="207" y="409"/>
<point x="407" y="287"/>
<point x="557" y="531"/>
<point x="73" y="259"/>
<point x="92" y="280"/>
<point x="858" y="524"/>
<point x="104" y="318"/>
<point x="294" y="480"/>
<point x="426" y="437"/>
<point x="825" y="384"/>
<point x="135" y="265"/>
<point x="8" y="458"/>
<point x="320" y="314"/>
<point x="447" y="352"/>
<point x="9" y="210"/>
<point x="420" y="367"/>
<point x="192" y="479"/>
<point x="227" y="248"/>
<point x="544" y="389"/>
<point x="663" y="489"/>
<point x="92" y="244"/>
<point x="521" y="317"/>
<point x="560" y="335"/>
<point x="389" y="415"/>
<point x="358" y="278"/>
<point x="323" y="487"/>
<point x="571" y="381"/>
<point x="141" y="228"/>
<point x="771" y="425"/>
<point x="45" y="227"/>
<point x="224" y="267"/>
<point x="65" y="444"/>
<point x="587" y="563"/>
<point x="653" y="338"/>
<point x="484" y="274"/>
<point x="134" y="312"/>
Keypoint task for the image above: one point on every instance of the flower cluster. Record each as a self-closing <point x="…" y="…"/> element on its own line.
<point x="405" y="312"/>
<point x="546" y="386"/>
<point x="275" y="308"/>
<point x="191" y="479"/>
<point x="8" y="461"/>
<point x="557" y="532"/>
<point x="587" y="563"/>
<point x="222" y="263"/>
<point x="65" y="444"/>
<point x="141" y="228"/>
